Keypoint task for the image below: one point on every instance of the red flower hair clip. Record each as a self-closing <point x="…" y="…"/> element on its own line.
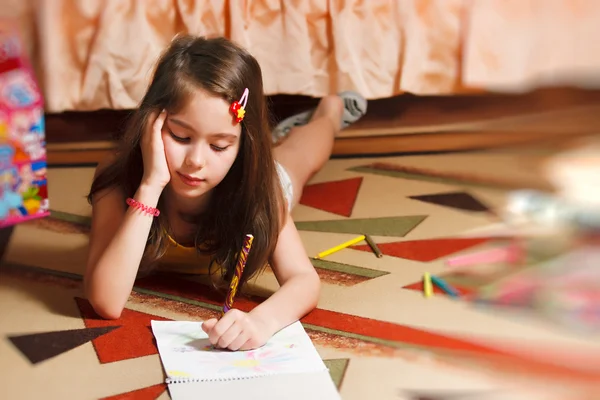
<point x="238" y="108"/>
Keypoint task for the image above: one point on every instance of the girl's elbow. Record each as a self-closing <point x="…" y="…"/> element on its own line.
<point x="105" y="309"/>
<point x="103" y="306"/>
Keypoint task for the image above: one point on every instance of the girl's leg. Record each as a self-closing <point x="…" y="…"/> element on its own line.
<point x="307" y="148"/>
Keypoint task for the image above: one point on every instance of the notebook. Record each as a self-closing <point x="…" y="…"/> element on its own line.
<point x="288" y="359"/>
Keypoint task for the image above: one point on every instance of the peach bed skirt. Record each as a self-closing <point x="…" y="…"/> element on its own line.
<point x="93" y="54"/>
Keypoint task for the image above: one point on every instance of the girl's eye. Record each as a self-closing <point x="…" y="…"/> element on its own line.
<point x="217" y="148"/>
<point x="177" y="138"/>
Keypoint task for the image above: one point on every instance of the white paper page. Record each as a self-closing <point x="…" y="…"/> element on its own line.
<point x="187" y="355"/>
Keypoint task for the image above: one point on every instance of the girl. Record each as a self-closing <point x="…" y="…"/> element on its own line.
<point x="194" y="173"/>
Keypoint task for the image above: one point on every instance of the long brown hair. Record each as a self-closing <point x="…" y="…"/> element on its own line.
<point x="249" y="199"/>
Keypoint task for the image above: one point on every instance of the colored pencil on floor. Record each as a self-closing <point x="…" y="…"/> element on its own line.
<point x="340" y="246"/>
<point x="373" y="246"/>
<point x="427" y="288"/>
<point x="439" y="282"/>
<point x="482" y="257"/>
<point x="509" y="254"/>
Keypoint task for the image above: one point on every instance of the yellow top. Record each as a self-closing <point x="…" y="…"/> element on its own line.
<point x="187" y="260"/>
<point x="184" y="259"/>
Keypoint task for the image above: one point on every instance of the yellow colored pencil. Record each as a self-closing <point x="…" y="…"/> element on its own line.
<point x="427" y="286"/>
<point x="340" y="246"/>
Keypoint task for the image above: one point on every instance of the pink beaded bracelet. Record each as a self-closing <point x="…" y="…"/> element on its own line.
<point x="148" y="210"/>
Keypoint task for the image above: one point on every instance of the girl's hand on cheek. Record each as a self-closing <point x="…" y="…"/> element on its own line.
<point x="156" y="170"/>
<point x="237" y="330"/>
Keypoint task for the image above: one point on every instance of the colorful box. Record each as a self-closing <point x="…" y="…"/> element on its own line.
<point x="23" y="184"/>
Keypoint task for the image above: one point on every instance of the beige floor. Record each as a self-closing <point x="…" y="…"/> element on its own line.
<point x="381" y="340"/>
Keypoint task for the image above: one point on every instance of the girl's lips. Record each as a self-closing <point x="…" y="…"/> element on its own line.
<point x="190" y="180"/>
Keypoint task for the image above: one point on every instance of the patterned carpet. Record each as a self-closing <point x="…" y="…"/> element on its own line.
<point x="380" y="337"/>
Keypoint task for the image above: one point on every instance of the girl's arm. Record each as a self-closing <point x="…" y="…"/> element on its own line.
<point x="117" y="241"/>
<point x="300" y="283"/>
<point x="119" y="233"/>
<point x="298" y="294"/>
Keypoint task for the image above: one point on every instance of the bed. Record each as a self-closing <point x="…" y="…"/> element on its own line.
<point x="98" y="54"/>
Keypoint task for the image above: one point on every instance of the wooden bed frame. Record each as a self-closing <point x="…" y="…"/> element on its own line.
<point x="401" y="125"/>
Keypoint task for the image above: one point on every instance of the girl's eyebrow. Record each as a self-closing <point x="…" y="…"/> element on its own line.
<point x="185" y="125"/>
<point x="223" y="135"/>
<point x="181" y="123"/>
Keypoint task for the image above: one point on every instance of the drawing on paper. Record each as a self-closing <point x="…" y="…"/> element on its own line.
<point x="186" y="352"/>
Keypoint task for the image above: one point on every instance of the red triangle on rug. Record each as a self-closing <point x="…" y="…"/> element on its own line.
<point x="337" y="197"/>
<point x="424" y="250"/>
<point x="132" y="339"/>
<point x="147" y="393"/>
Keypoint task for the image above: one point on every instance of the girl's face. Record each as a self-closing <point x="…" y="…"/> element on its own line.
<point x="201" y="144"/>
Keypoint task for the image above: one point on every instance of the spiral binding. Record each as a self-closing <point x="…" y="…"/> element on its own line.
<point x="237" y="378"/>
<point x="222" y="379"/>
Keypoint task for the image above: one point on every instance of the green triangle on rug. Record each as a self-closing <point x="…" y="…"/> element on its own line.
<point x="347" y="268"/>
<point x="72" y="218"/>
<point x="427" y="176"/>
<point x="337" y="369"/>
<point x="384" y="226"/>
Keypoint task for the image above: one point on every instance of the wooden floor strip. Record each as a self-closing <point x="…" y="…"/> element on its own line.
<point x="444" y="141"/>
<point x="546" y="120"/>
<point x="75" y="157"/>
